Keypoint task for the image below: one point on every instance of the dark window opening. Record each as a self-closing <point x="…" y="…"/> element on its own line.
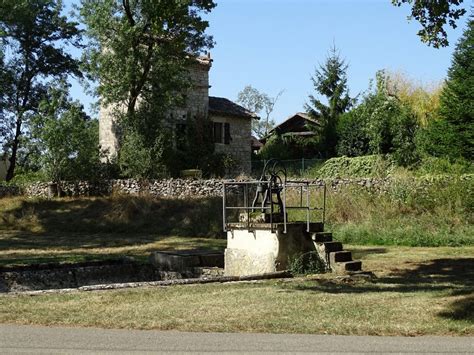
<point x="180" y="136"/>
<point x="227" y="137"/>
<point x="217" y="132"/>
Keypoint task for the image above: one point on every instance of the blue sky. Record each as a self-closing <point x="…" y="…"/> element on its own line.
<point x="275" y="45"/>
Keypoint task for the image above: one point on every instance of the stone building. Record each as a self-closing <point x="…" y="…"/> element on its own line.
<point x="231" y="122"/>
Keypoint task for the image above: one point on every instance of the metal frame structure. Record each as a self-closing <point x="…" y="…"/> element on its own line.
<point x="304" y="188"/>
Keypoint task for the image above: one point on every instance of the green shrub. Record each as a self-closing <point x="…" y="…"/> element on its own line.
<point x="307" y="263"/>
<point x="364" y="166"/>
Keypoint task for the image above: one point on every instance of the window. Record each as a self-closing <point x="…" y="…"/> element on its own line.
<point x="180" y="136"/>
<point x="222" y="133"/>
<point x="217" y="132"/>
<point x="227" y="137"/>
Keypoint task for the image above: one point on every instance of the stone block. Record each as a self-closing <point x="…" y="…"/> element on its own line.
<point x="348" y="266"/>
<point x="167" y="261"/>
<point x="321" y="237"/>
<point x="339" y="256"/>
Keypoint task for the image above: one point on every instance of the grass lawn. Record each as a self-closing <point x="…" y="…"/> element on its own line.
<point x="418" y="291"/>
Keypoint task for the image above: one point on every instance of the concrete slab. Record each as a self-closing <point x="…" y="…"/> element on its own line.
<point x="182" y="260"/>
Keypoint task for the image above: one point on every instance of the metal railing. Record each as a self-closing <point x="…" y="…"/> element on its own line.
<point x="242" y="190"/>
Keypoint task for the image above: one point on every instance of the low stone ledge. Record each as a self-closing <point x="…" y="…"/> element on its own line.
<point x="176" y="282"/>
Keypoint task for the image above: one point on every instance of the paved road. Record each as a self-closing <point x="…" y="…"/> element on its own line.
<point x="44" y="340"/>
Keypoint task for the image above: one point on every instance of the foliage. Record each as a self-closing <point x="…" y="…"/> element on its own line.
<point x="427" y="211"/>
<point x="330" y="81"/>
<point x="435" y="166"/>
<point x="364" y="166"/>
<point x="433" y="17"/>
<point x="288" y="147"/>
<point x="67" y="140"/>
<point x="34" y="34"/>
<point x="457" y="98"/>
<point x="140" y="47"/>
<point x="307" y="263"/>
<point x="140" y="52"/>
<point x="258" y="102"/>
<point x="422" y="99"/>
<point x="195" y="149"/>
<point x="381" y="124"/>
<point x="140" y="159"/>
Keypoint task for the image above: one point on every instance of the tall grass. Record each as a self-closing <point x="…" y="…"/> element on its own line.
<point x="411" y="212"/>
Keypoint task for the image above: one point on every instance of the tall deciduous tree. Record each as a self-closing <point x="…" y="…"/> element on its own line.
<point x="139" y="54"/>
<point x="261" y="104"/>
<point x="33" y="33"/>
<point x="329" y="81"/>
<point x="433" y="17"/>
<point x="140" y="48"/>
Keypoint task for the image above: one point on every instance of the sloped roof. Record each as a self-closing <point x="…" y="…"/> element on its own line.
<point x="295" y="123"/>
<point x="225" y="107"/>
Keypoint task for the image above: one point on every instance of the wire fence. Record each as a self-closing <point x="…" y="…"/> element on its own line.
<point x="294" y="167"/>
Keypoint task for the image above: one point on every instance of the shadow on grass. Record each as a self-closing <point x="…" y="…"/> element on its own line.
<point x="71" y="228"/>
<point x="121" y="214"/>
<point x="452" y="277"/>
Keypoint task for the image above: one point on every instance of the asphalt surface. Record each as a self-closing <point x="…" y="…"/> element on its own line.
<point x="45" y="340"/>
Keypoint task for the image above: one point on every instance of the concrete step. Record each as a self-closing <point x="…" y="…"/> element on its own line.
<point x="316" y="227"/>
<point x="329" y="247"/>
<point x="339" y="256"/>
<point x="321" y="237"/>
<point x="347" y="266"/>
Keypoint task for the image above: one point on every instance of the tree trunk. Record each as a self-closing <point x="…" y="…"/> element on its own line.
<point x="16" y="142"/>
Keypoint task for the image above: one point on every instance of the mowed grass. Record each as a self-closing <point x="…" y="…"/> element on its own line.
<point x="418" y="291"/>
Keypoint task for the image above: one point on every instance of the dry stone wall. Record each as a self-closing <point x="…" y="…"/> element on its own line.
<point x="8" y="190"/>
<point x="185" y="188"/>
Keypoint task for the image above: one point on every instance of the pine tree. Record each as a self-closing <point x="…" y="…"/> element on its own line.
<point x="330" y="81"/>
<point x="457" y="98"/>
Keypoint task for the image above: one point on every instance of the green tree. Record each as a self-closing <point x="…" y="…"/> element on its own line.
<point x="380" y="124"/>
<point x="139" y="54"/>
<point x="260" y="104"/>
<point x="457" y="98"/>
<point x="140" y="49"/>
<point x="433" y="17"/>
<point x="65" y="136"/>
<point x="34" y="33"/>
<point x="329" y="81"/>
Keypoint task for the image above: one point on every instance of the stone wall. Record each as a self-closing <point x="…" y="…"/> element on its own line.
<point x="240" y="144"/>
<point x="182" y="188"/>
<point x="176" y="188"/>
<point x="6" y="190"/>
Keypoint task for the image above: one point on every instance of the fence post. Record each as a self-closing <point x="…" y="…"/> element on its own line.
<point x="302" y="165"/>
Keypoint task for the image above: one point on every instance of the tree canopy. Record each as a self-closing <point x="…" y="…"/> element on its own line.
<point x="34" y="32"/>
<point x="329" y="81"/>
<point x="433" y="17"/>
<point x="261" y="104"/>
<point x="140" y="48"/>
<point x="455" y="128"/>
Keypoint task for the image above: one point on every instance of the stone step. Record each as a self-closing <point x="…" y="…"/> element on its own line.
<point x="339" y="256"/>
<point x="321" y="237"/>
<point x="347" y="266"/>
<point x="315" y="227"/>
<point x="329" y="247"/>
